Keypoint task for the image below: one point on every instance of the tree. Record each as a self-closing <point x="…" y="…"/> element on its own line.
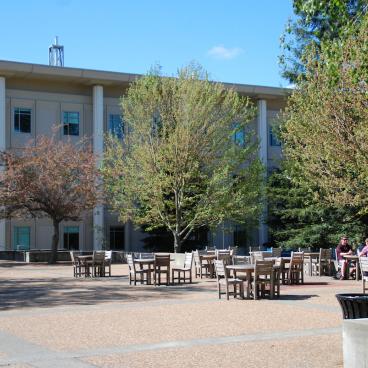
<point x="326" y="122"/>
<point x="316" y="21"/>
<point x="298" y="219"/>
<point x="49" y="178"/>
<point x="183" y="164"/>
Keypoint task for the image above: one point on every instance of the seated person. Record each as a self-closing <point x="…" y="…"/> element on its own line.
<point x="342" y="249"/>
<point x="364" y="252"/>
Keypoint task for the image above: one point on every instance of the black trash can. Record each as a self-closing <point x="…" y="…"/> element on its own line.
<point x="353" y="305"/>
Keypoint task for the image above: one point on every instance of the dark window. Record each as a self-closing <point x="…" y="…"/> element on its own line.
<point x="116" y="126"/>
<point x="22" y="120"/>
<point x="71" y="123"/>
<point x="273" y="139"/>
<point x="71" y="237"/>
<point x="117" y="239"/>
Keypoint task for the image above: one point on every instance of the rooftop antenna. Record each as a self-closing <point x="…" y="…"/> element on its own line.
<point x="56" y="54"/>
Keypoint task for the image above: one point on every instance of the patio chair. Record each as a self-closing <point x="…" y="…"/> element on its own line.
<point x="255" y="249"/>
<point x="108" y="260"/>
<point x="364" y="272"/>
<point x="200" y="265"/>
<point x="322" y="265"/>
<point x="133" y="272"/>
<point x="161" y="266"/>
<point x="264" y="279"/>
<point x="187" y="268"/>
<point x="77" y="268"/>
<point x="296" y="268"/>
<point x="257" y="256"/>
<point x="276" y="252"/>
<point x="98" y="263"/>
<point x="224" y="255"/>
<point x="224" y="279"/>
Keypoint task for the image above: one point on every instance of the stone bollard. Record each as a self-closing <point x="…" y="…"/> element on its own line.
<point x="355" y="342"/>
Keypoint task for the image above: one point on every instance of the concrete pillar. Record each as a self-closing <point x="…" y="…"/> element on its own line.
<point x="355" y="342"/>
<point x="98" y="212"/>
<point x="263" y="145"/>
<point x="2" y="148"/>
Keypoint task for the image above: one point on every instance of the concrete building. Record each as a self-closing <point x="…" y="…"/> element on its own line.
<point x="86" y="102"/>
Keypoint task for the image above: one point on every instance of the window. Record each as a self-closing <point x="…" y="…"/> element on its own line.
<point x="22" y="237"/>
<point x="71" y="237"/>
<point x="22" y="120"/>
<point x="71" y="123"/>
<point x="117" y="239"/>
<point x="116" y="126"/>
<point x="273" y="138"/>
<point x="239" y="135"/>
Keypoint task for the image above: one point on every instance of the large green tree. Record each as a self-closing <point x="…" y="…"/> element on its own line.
<point x="315" y="21"/>
<point x="183" y="164"/>
<point x="326" y="123"/>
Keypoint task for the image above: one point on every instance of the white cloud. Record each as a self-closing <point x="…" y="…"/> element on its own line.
<point x="224" y="53"/>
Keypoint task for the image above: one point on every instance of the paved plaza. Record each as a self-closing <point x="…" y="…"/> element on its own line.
<point x="50" y="319"/>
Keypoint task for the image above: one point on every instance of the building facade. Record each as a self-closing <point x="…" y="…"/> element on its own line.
<point x="33" y="98"/>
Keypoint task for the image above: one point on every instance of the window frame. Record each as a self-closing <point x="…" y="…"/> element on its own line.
<point x="65" y="232"/>
<point x="114" y="129"/>
<point x="18" y="111"/>
<point x="274" y="142"/>
<point x="67" y="124"/>
<point x="16" y="236"/>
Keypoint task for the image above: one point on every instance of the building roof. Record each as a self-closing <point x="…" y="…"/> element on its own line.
<point x="10" y="69"/>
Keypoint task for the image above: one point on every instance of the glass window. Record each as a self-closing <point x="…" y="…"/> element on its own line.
<point x="22" y="237"/>
<point x="116" y="126"/>
<point x="71" y="123"/>
<point x="273" y="138"/>
<point x="117" y="239"/>
<point x="71" y="237"/>
<point x="22" y="120"/>
<point x="239" y="135"/>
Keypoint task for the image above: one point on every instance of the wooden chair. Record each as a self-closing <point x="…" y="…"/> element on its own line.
<point x="224" y="255"/>
<point x="255" y="249"/>
<point x="322" y="265"/>
<point x="200" y="265"/>
<point x="108" y="260"/>
<point x="133" y="272"/>
<point x="364" y="271"/>
<point x="210" y="249"/>
<point x="296" y="268"/>
<point x="257" y="256"/>
<point x="77" y="268"/>
<point x="264" y="279"/>
<point x="276" y="252"/>
<point x="161" y="266"/>
<point x="98" y="263"/>
<point x="186" y="268"/>
<point x="224" y="279"/>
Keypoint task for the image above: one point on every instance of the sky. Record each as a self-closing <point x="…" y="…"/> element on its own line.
<point x="236" y="41"/>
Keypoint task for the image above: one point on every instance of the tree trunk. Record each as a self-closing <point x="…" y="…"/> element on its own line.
<point x="177" y="242"/>
<point x="55" y="242"/>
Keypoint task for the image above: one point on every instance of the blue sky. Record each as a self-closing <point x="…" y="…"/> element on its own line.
<point x="235" y="41"/>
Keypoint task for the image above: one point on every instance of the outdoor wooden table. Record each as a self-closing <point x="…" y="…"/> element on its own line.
<point x="248" y="269"/>
<point x="209" y="258"/>
<point x="351" y="257"/>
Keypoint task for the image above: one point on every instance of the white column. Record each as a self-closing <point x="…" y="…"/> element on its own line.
<point x="2" y="148"/>
<point x="98" y="212"/>
<point x="263" y="144"/>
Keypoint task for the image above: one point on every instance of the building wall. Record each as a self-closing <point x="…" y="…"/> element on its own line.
<point x="48" y="100"/>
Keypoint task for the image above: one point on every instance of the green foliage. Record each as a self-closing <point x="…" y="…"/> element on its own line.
<point x="298" y="219"/>
<point x="180" y="167"/>
<point x="316" y="21"/>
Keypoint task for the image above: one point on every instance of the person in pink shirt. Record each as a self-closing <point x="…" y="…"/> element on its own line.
<point x="364" y="251"/>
